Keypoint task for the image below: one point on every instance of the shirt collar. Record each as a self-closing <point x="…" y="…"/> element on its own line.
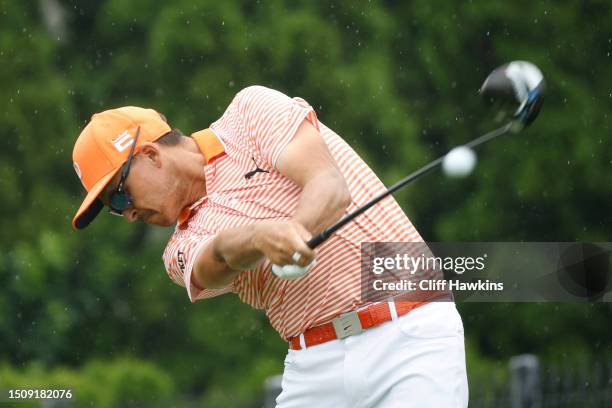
<point x="212" y="148"/>
<point x="209" y="144"/>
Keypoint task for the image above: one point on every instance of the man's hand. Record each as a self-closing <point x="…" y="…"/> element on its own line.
<point x="280" y="240"/>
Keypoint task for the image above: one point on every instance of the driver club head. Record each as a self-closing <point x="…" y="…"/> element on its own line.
<point x="517" y="89"/>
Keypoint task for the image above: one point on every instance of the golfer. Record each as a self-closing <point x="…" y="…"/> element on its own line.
<point x="247" y="193"/>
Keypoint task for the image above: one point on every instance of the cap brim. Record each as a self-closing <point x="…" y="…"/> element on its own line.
<point x="91" y="205"/>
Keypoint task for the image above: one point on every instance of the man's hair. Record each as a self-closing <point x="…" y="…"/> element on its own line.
<point x="172" y="138"/>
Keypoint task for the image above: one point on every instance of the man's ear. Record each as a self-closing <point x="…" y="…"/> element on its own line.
<point x="151" y="151"/>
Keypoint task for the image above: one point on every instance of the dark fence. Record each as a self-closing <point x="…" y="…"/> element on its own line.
<point x="587" y="386"/>
<point x="531" y="385"/>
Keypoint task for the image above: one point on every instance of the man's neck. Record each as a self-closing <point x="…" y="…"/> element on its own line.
<point x="192" y="167"/>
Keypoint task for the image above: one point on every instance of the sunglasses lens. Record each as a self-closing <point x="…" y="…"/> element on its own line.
<point x="119" y="202"/>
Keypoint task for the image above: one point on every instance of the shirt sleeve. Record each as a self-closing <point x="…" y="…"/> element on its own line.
<point x="179" y="258"/>
<point x="271" y="119"/>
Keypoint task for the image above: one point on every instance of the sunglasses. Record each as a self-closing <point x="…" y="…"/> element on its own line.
<point x="121" y="200"/>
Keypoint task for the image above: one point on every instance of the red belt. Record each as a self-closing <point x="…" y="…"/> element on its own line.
<point x="351" y="323"/>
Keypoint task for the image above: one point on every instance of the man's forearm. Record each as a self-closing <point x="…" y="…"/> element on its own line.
<point x="229" y="252"/>
<point x="236" y="247"/>
<point x="322" y="202"/>
<point x="240" y="248"/>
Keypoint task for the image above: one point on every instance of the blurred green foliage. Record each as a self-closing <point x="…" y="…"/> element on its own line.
<point x="397" y="80"/>
<point x="121" y="382"/>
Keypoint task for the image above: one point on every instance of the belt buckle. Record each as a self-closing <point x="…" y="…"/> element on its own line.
<point x="347" y="324"/>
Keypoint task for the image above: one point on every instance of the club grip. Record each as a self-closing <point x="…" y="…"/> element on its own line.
<point x="316" y="240"/>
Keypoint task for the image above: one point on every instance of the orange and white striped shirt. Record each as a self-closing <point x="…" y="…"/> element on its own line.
<point x="253" y="132"/>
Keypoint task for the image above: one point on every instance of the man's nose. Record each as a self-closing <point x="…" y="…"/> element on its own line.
<point x="130" y="214"/>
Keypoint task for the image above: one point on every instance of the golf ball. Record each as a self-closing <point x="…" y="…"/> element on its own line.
<point x="459" y="162"/>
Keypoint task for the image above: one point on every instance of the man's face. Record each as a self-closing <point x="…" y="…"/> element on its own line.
<point x="155" y="193"/>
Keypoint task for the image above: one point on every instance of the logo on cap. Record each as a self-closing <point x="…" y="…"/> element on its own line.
<point x="123" y="141"/>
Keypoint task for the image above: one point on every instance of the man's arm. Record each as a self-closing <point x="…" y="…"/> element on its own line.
<point x="307" y="161"/>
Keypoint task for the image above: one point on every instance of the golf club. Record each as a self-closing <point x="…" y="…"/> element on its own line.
<point x="516" y="83"/>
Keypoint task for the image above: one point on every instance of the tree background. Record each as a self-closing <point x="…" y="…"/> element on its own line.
<point x="95" y="311"/>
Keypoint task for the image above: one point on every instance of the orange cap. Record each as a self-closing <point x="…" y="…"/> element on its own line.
<point x="102" y="148"/>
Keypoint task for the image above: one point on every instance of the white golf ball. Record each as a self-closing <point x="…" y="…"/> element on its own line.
<point x="459" y="162"/>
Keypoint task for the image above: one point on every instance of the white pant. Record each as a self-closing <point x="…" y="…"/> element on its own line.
<point x="417" y="360"/>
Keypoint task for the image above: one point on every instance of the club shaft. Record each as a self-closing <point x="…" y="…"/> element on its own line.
<point x="321" y="237"/>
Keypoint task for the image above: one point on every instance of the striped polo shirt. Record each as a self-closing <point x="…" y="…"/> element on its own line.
<point x="252" y="133"/>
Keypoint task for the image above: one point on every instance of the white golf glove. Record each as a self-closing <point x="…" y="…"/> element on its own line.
<point x="291" y="272"/>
